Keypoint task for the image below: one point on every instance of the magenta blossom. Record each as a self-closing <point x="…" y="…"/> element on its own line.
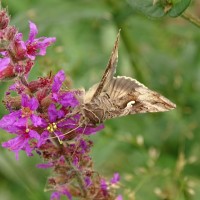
<point x="23" y="141"/>
<point x="18" y="47"/>
<point x="37" y="46"/>
<point x="58" y="81"/>
<point x="33" y="46"/>
<point x="56" y="195"/>
<point x="21" y="117"/>
<point x="4" y="63"/>
<point x="51" y="125"/>
<point x="119" y="197"/>
<point x="66" y="99"/>
<point x="115" y="179"/>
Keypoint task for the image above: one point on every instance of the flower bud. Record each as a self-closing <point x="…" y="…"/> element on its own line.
<point x="4" y="19"/>
<point x="18" y="47"/>
<point x="7" y="72"/>
<point x="11" y="31"/>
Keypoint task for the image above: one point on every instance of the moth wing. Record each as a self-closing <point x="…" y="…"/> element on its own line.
<point x="90" y="93"/>
<point x="130" y="97"/>
<point x="108" y="74"/>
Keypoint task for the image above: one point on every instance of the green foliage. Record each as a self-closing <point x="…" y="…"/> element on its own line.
<point x="156" y="154"/>
<point x="160" y="8"/>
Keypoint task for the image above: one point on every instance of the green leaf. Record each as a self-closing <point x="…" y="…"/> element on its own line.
<point x="148" y="8"/>
<point x="160" y="8"/>
<point x="178" y="8"/>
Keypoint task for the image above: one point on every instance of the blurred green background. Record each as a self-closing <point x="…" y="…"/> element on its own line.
<point x="156" y="154"/>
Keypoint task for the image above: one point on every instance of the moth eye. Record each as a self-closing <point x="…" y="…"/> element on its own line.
<point x="130" y="104"/>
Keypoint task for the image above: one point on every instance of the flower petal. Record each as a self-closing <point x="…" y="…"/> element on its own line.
<point x="33" y="31"/>
<point x="33" y="103"/>
<point x="55" y="196"/>
<point x="34" y="134"/>
<point x="37" y="121"/>
<point x="42" y="46"/>
<point x="68" y="99"/>
<point x="8" y="120"/>
<point x="4" y="63"/>
<point x="115" y="179"/>
<point x="43" y="138"/>
<point x="25" y="100"/>
<point x="54" y="114"/>
<point x="57" y="81"/>
<point x="119" y="197"/>
<point x="16" y="144"/>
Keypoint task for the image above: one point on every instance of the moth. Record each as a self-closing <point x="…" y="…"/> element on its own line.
<point x="120" y="96"/>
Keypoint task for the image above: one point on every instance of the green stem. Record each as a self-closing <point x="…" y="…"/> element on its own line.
<point x="74" y="169"/>
<point x="192" y="19"/>
<point x="78" y="177"/>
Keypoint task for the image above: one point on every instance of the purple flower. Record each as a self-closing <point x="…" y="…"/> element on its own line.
<point x="22" y="141"/>
<point x="20" y="118"/>
<point x="88" y="181"/>
<point x="50" y="125"/>
<point x="55" y="196"/>
<point x="18" y="46"/>
<point x="4" y="63"/>
<point x="32" y="47"/>
<point x="6" y="69"/>
<point x="115" y="179"/>
<point x="54" y="114"/>
<point x="63" y="191"/>
<point x="119" y="197"/>
<point x="66" y="99"/>
<point x="104" y="187"/>
<point x="58" y="81"/>
<point x="37" y="46"/>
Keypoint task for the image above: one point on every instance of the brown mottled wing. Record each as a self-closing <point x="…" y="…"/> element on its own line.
<point x="108" y="74"/>
<point x="130" y="97"/>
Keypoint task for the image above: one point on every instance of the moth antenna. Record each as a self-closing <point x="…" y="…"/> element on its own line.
<point x="60" y="141"/>
<point x="79" y="140"/>
<point x="84" y="129"/>
<point x="57" y="136"/>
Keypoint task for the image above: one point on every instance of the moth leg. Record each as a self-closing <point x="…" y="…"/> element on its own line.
<point x="99" y="121"/>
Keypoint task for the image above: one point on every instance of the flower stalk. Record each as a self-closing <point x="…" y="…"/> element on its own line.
<point x="43" y="116"/>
